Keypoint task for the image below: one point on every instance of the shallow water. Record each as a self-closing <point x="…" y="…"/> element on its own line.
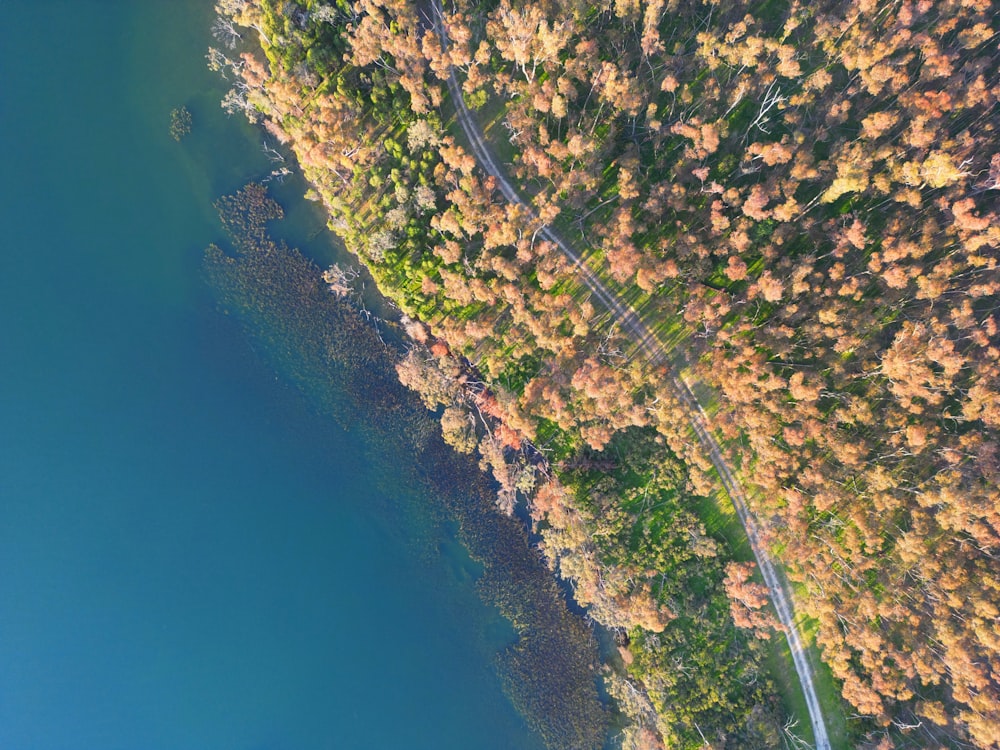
<point x="189" y="555"/>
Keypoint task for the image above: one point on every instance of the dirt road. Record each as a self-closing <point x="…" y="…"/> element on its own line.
<point x="653" y="349"/>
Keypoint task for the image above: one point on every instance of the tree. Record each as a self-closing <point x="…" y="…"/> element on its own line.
<point x="749" y="600"/>
<point x="458" y="429"/>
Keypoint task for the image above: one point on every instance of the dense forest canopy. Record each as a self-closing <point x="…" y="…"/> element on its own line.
<point x="800" y="200"/>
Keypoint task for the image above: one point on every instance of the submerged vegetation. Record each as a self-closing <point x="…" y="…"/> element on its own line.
<point x="180" y="123"/>
<point x="800" y="203"/>
<point x="323" y="343"/>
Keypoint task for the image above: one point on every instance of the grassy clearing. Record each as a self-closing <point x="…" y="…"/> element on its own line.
<point x="826" y="686"/>
<point x="490" y="118"/>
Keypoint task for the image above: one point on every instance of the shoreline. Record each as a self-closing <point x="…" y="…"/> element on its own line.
<point x="281" y="295"/>
<point x="639" y="610"/>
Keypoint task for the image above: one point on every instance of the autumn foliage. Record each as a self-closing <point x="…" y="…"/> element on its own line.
<point x="800" y="199"/>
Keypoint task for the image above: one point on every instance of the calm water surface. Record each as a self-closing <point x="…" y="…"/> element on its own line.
<point x="189" y="556"/>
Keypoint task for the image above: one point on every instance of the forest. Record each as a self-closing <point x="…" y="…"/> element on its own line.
<point x="800" y="202"/>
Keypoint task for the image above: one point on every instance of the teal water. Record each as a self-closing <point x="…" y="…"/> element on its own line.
<point x="190" y="557"/>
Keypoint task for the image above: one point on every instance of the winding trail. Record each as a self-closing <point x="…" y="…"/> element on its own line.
<point x="648" y="343"/>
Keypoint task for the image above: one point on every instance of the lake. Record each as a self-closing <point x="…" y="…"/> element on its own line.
<point x="190" y="556"/>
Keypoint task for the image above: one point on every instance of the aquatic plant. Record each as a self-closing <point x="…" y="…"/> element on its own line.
<point x="342" y="363"/>
<point x="180" y="123"/>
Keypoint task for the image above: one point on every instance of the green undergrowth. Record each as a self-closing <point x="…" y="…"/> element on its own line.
<point x="701" y="672"/>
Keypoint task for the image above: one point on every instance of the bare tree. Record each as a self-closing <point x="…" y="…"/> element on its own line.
<point x="224" y="30"/>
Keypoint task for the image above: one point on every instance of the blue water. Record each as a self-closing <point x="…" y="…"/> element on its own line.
<point x="190" y="557"/>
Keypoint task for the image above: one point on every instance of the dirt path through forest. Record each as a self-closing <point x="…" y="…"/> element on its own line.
<point x="653" y="349"/>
